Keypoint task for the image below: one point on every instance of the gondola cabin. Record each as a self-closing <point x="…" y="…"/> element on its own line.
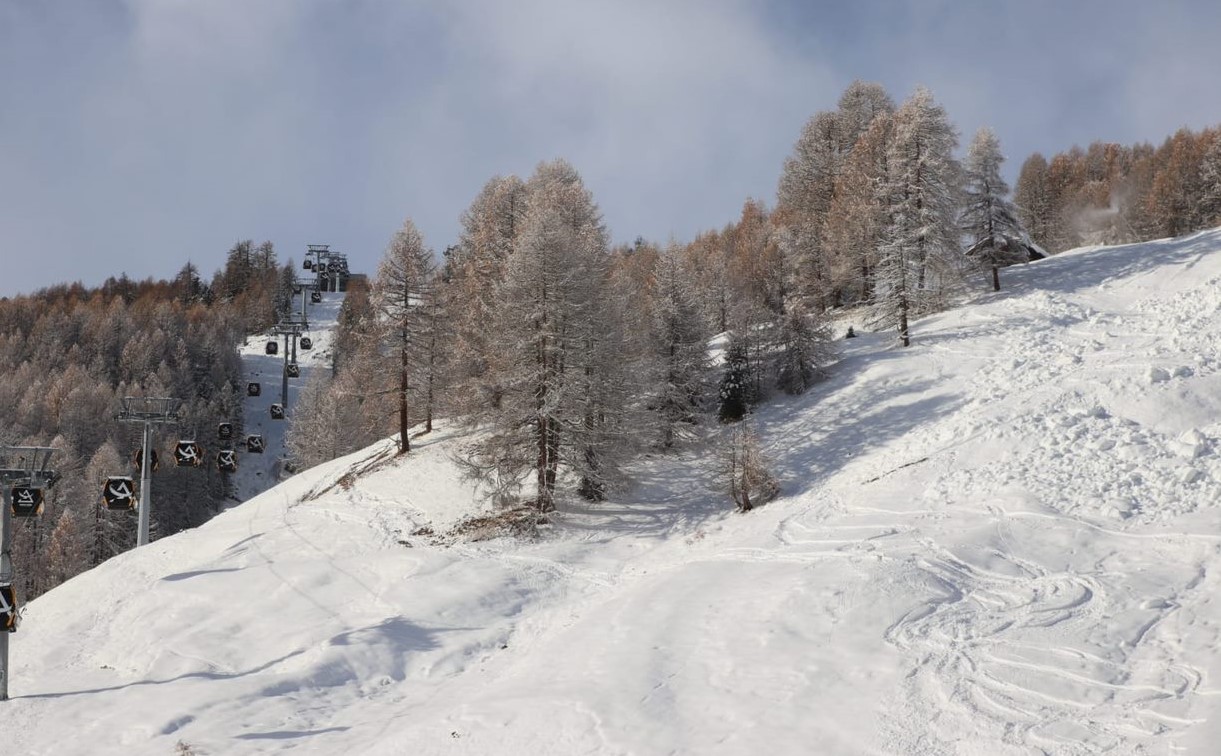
<point x="307" y="264"/>
<point x="226" y="461"/>
<point x="253" y="388"/>
<point x="315" y="297"/>
<point x="254" y="444"/>
<point x="293" y="370"/>
<point x="187" y="454"/>
<point x="277" y="412"/>
<point x="307" y="343"/>
<point x="224" y="432"/>
<point x="8" y="609"/>
<point x="139" y="460"/>
<point x="27" y="502"/>
<point x="119" y="493"/>
<point x="272" y="348"/>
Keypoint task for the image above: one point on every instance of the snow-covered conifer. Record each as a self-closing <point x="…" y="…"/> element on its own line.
<point x="1210" y="178"/>
<point x="735" y="391"/>
<point x="474" y="270"/>
<point x="745" y="471"/>
<point x="553" y="349"/>
<point x="989" y="219"/>
<point x="920" y="257"/>
<point x="679" y="348"/>
<point x="805" y="349"/>
<point x="404" y="282"/>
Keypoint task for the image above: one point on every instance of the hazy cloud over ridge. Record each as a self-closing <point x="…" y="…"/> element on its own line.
<point x="135" y="135"/>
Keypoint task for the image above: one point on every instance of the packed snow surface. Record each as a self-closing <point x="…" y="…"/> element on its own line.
<point x="1002" y="540"/>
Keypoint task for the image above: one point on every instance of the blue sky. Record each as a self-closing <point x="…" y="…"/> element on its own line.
<point x="137" y="134"/>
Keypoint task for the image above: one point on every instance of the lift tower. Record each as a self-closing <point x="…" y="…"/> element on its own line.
<point x="23" y="473"/>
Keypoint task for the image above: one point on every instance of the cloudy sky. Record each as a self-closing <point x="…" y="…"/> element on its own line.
<point x="138" y="134"/>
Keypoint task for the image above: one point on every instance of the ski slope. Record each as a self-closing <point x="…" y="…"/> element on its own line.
<point x="256" y="473"/>
<point x="1002" y="540"/>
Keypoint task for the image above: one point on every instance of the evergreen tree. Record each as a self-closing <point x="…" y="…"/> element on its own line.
<point x="807" y="188"/>
<point x="554" y="354"/>
<point x="920" y="256"/>
<point x="1033" y="199"/>
<point x="404" y="283"/>
<point x="988" y="219"/>
<point x="1210" y="179"/>
<point x="858" y="219"/>
<point x="747" y="478"/>
<point x="679" y="349"/>
<point x="735" y="391"/>
<point x="805" y="350"/>
<point x="474" y="271"/>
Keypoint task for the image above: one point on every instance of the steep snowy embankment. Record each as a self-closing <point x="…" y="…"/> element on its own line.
<point x="1003" y="540"/>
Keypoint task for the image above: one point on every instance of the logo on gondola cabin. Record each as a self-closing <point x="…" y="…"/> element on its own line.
<point x="188" y="454"/>
<point x="226" y="461"/>
<point x="27" y="502"/>
<point x="119" y="493"/>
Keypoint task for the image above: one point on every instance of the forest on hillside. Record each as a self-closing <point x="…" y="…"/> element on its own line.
<point x="571" y="355"/>
<point x="69" y="354"/>
<point x="568" y="354"/>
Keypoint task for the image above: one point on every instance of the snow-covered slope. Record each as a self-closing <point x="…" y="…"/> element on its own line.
<point x="1003" y="540"/>
<point x="257" y="473"/>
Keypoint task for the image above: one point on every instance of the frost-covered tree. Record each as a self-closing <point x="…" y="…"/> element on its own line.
<point x="804" y="349"/>
<point x="807" y="188"/>
<point x="1033" y="199"/>
<point x="989" y="219"/>
<point x="745" y="472"/>
<point x="679" y="349"/>
<point x="859" y="106"/>
<point x="553" y="350"/>
<point x="858" y="219"/>
<point x="404" y="283"/>
<point x="1210" y="179"/>
<point x="735" y="392"/>
<point x="474" y="270"/>
<point x="921" y="254"/>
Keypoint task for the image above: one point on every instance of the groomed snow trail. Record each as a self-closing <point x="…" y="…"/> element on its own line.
<point x="1003" y="540"/>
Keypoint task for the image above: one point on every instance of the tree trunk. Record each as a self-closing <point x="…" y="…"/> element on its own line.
<point x="996" y="278"/>
<point x="404" y="440"/>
